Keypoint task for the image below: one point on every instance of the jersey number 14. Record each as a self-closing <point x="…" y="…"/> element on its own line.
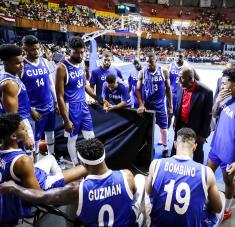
<point x="40" y="82"/>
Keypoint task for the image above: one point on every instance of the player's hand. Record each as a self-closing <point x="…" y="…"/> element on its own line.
<point x="35" y="115"/>
<point x="28" y="143"/>
<point x="57" y="108"/>
<point x="7" y="186"/>
<point x="231" y="169"/>
<point x="224" y="93"/>
<point x="141" y="110"/>
<point x="68" y="126"/>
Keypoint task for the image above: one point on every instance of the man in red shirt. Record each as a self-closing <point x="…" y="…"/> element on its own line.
<point x="193" y="110"/>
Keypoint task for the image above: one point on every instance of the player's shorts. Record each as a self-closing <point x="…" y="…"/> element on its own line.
<point x="80" y="116"/>
<point x="47" y="123"/>
<point x="216" y="160"/>
<point x="160" y="115"/>
<point x="209" y="219"/>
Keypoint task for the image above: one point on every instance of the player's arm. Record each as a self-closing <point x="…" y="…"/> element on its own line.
<point x="90" y="92"/>
<point x="130" y="180"/>
<point x="24" y="170"/>
<point x="141" y="108"/>
<point x="10" y="96"/>
<point x="93" y="80"/>
<point x="51" y="81"/>
<point x="10" y="103"/>
<point x="214" y="202"/>
<point x="59" y="87"/>
<point x="149" y="180"/>
<point x="57" y="196"/>
<point x="168" y="90"/>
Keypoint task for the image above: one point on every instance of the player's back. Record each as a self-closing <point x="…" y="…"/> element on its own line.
<point x="179" y="193"/>
<point x="106" y="200"/>
<point x="12" y="207"/>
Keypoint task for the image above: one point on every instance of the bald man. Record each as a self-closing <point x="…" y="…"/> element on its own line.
<point x="193" y="109"/>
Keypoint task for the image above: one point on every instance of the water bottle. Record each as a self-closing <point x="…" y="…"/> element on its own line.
<point x="61" y="162"/>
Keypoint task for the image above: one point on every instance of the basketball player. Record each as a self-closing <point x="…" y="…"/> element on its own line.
<point x="13" y="94"/>
<point x="180" y="189"/>
<point x="17" y="166"/>
<point x="115" y="94"/>
<point x="156" y="86"/>
<point x="41" y="91"/>
<point x="223" y="142"/>
<point x="70" y="89"/>
<point x="99" y="74"/>
<point x="132" y="81"/>
<point x="104" y="197"/>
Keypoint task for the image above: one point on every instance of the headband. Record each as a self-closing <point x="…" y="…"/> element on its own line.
<point x="91" y="162"/>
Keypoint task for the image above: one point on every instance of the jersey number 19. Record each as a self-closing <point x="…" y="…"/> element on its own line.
<point x="184" y="200"/>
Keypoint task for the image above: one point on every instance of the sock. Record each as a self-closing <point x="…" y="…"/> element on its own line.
<point x="71" y="145"/>
<point x="50" y="140"/>
<point x="228" y="204"/>
<point x="164" y="137"/>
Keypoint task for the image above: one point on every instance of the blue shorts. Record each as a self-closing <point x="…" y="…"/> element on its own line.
<point x="48" y="181"/>
<point x="80" y="116"/>
<point x="216" y="160"/>
<point x="47" y="123"/>
<point x="160" y="115"/>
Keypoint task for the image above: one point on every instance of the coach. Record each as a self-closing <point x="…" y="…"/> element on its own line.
<point x="193" y="109"/>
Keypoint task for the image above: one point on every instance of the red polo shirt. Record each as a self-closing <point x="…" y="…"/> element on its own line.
<point x="186" y="100"/>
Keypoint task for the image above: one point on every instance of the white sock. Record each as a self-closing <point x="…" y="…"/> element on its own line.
<point x="50" y="140"/>
<point x="71" y="145"/>
<point x="228" y="203"/>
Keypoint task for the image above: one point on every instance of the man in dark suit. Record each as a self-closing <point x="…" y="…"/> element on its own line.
<point x="193" y="109"/>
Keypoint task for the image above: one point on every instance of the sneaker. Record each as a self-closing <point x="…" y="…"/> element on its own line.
<point x="227" y="214"/>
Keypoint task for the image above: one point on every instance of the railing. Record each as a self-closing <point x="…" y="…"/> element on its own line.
<point x="25" y="23"/>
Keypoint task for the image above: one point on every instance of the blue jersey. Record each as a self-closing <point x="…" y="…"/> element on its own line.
<point x="154" y="89"/>
<point x="174" y="72"/>
<point x="24" y="109"/>
<point x="109" y="198"/>
<point x="12" y="207"/>
<point x="179" y="193"/>
<point x="223" y="141"/>
<point x="117" y="95"/>
<point x="37" y="82"/>
<point x="74" y="90"/>
<point x="132" y="81"/>
<point x="98" y="77"/>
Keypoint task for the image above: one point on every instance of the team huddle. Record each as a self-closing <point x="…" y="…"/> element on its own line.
<point x="178" y="191"/>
